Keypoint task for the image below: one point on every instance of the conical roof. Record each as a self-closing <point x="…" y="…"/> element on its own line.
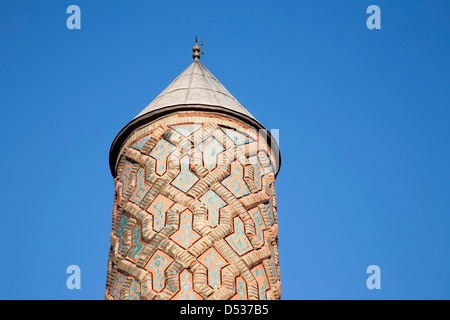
<point x="195" y="89"/>
<point x="196" y="85"/>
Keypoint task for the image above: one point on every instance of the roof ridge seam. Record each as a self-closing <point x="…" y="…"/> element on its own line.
<point x="189" y="86"/>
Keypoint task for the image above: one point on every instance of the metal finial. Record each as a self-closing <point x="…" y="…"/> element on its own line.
<point x="196" y="49"/>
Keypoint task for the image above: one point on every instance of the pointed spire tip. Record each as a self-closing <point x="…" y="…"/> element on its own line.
<point x="196" y="55"/>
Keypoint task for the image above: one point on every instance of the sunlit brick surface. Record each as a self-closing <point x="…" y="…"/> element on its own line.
<point x="195" y="212"/>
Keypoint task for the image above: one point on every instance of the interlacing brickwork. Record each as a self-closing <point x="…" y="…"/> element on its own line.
<point x="195" y="213"/>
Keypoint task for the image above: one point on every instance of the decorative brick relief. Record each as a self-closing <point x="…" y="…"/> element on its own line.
<point x="194" y="213"/>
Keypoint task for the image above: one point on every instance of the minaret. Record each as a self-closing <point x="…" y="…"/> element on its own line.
<point x="195" y="210"/>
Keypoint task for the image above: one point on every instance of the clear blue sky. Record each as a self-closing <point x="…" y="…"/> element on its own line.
<point x="363" y="118"/>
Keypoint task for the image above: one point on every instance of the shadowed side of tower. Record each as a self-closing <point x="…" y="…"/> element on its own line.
<point x="195" y="211"/>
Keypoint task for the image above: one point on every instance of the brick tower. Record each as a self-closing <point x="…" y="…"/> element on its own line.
<point x="195" y="210"/>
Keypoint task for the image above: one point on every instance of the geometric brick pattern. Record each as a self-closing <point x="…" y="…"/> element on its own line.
<point x="195" y="213"/>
